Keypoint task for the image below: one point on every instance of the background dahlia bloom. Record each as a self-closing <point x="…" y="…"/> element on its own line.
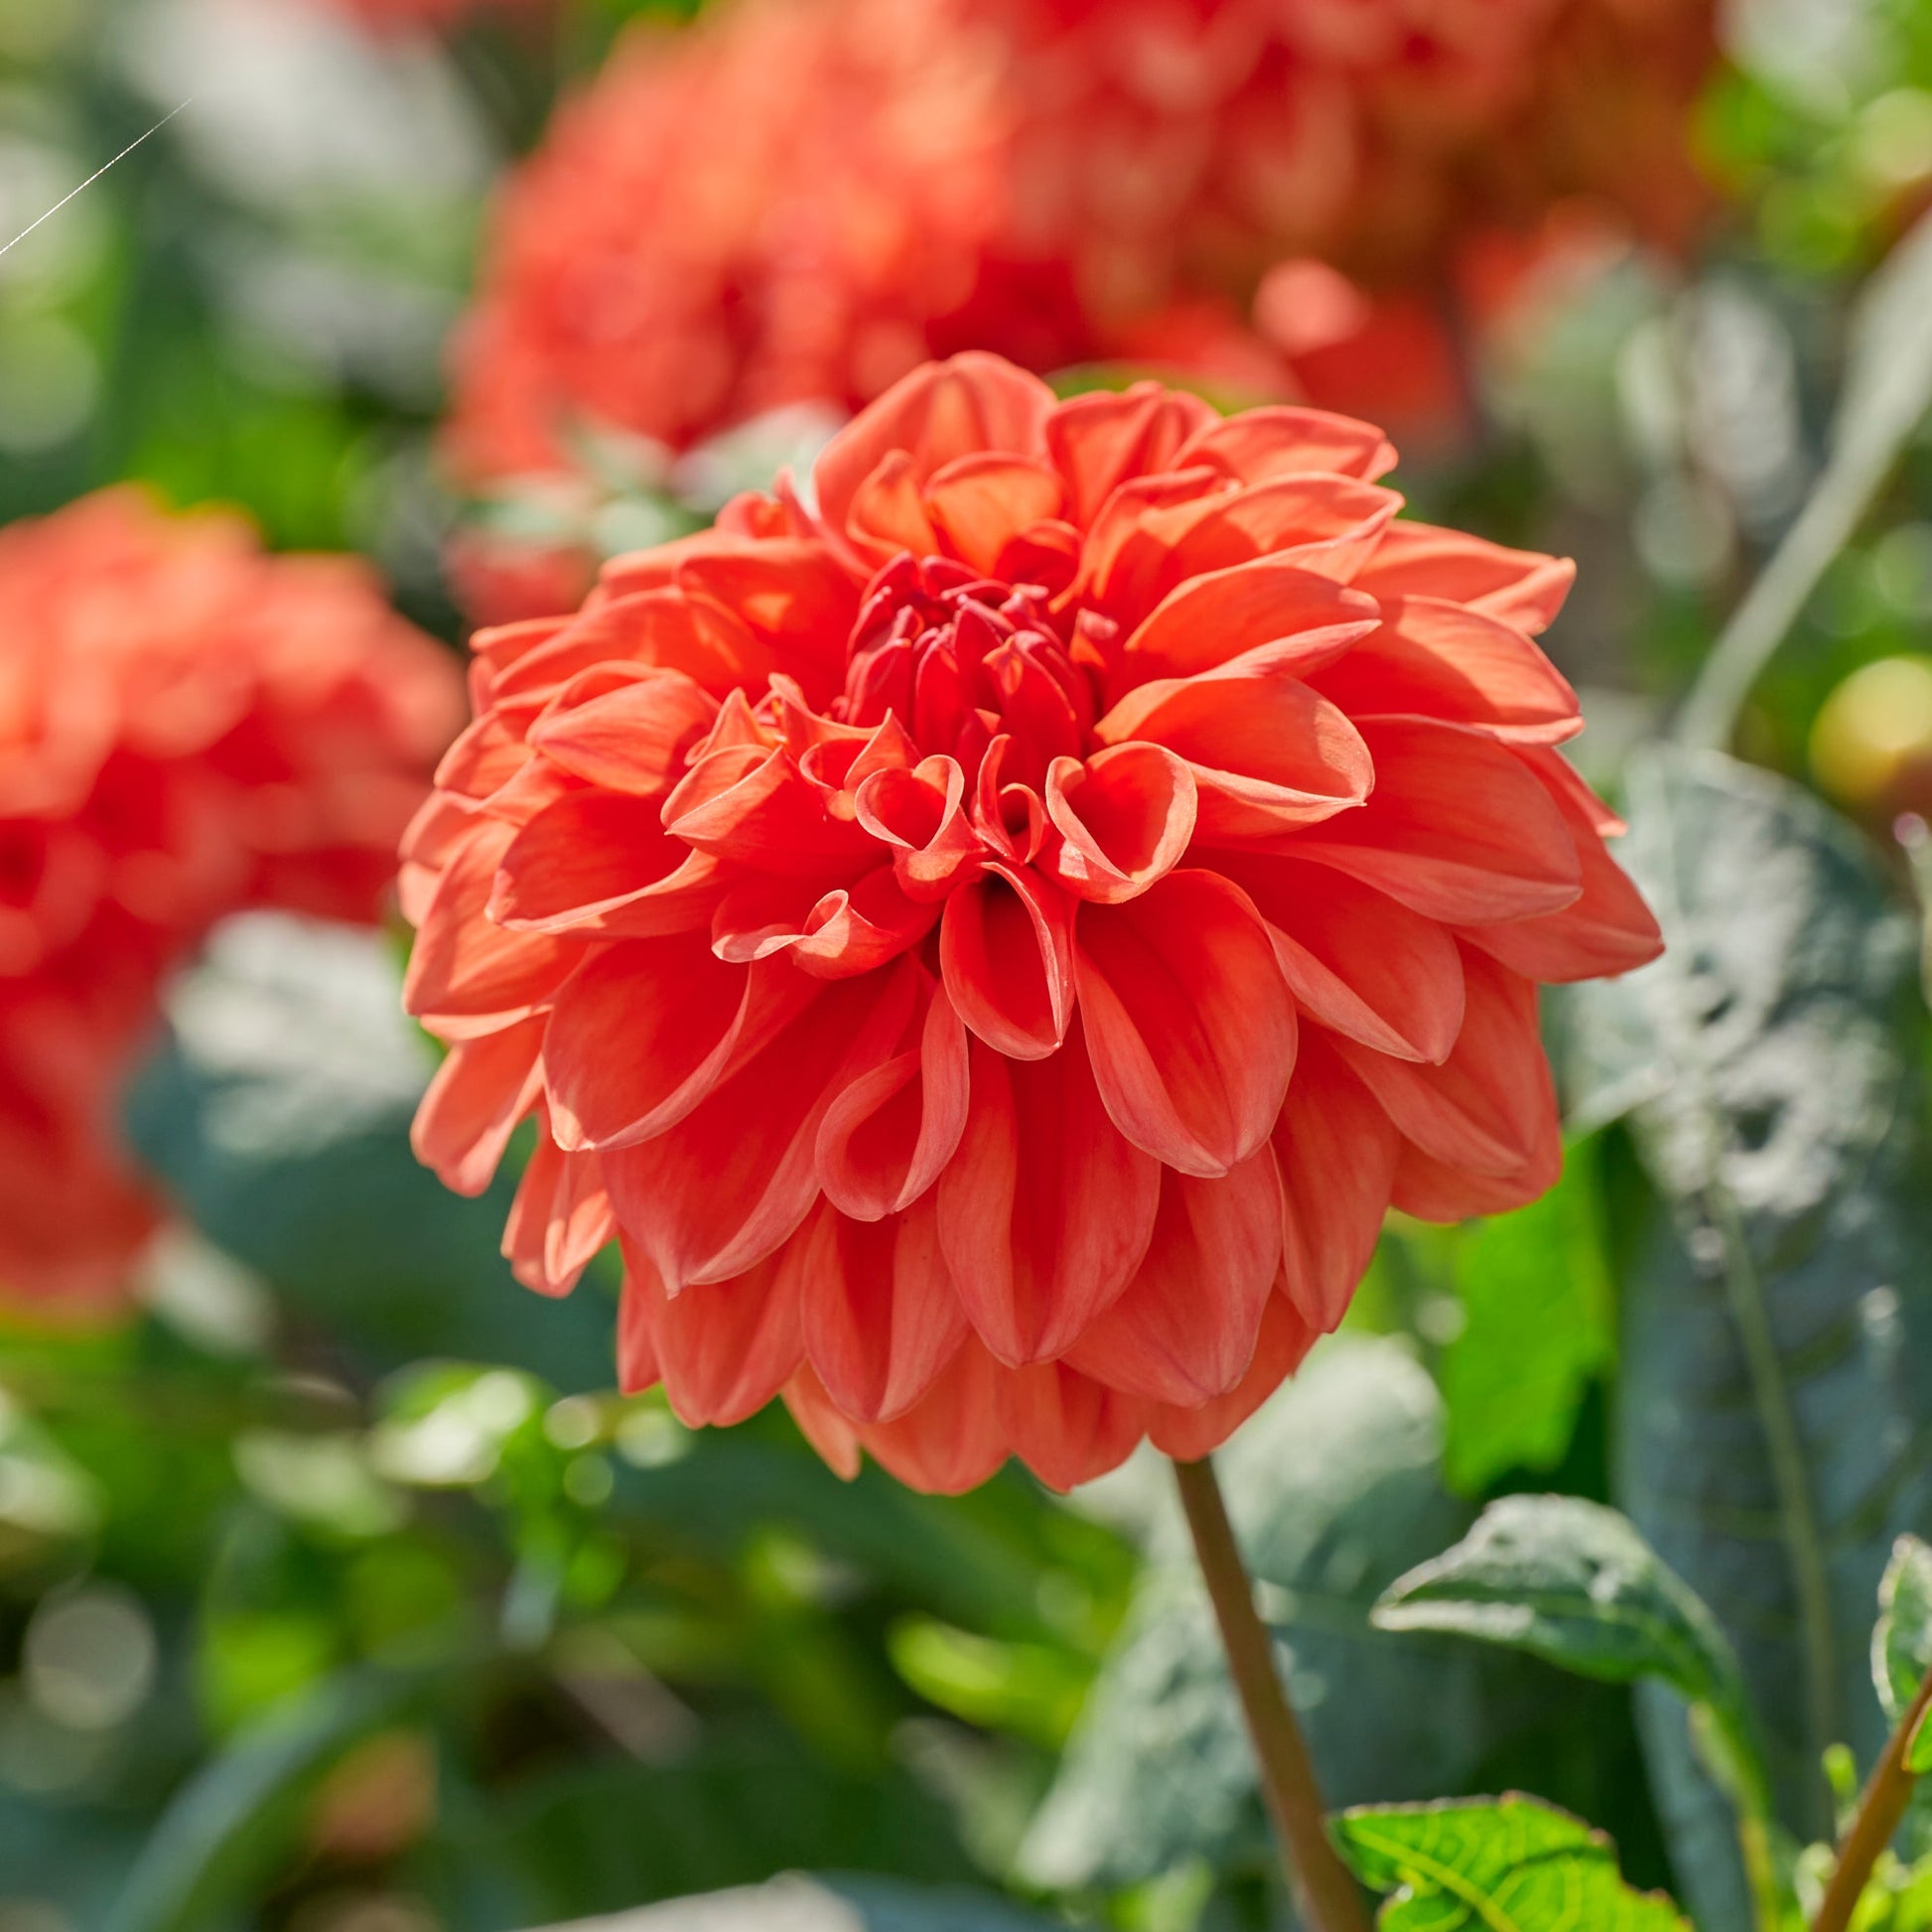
<point x="992" y="946"/>
<point x="802" y="199"/>
<point x="186" y="728"/>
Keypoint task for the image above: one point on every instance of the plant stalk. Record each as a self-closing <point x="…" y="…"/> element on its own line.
<point x="1880" y="1808"/>
<point x="1325" y="1894"/>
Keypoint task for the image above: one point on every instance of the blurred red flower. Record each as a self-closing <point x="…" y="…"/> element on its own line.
<point x="992" y="946"/>
<point x="186" y="728"/>
<point x="802" y="199"/>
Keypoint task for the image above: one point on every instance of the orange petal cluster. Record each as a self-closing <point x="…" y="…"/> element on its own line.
<point x="802" y="199"/>
<point x="186" y="728"/>
<point x="992" y="942"/>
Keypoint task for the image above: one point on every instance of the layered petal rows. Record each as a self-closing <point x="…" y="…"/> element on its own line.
<point x="992" y="942"/>
<point x="186" y="728"/>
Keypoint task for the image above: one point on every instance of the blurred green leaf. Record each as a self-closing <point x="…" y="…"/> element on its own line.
<point x="746" y="1803"/>
<point x="1333" y="1489"/>
<point x="1535" y="1296"/>
<point x="1573" y="1583"/>
<point x="1030" y="1689"/>
<point x="231" y="1825"/>
<point x="798" y="1904"/>
<point x="277" y="1113"/>
<point x="1494" y="1864"/>
<point x="1776" y="1384"/>
<point x="1901" y="1639"/>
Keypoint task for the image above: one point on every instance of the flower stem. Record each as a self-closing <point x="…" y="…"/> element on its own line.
<point x="1328" y="1897"/>
<point x="1880" y="1807"/>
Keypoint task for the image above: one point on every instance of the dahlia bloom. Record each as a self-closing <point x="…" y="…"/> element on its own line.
<point x="802" y="199"/>
<point x="991" y="944"/>
<point x="186" y="728"/>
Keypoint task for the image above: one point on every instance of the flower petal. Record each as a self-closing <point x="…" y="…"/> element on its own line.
<point x="1102" y="439"/>
<point x="1336" y="1150"/>
<point x="580" y="860"/>
<point x="1283" y="441"/>
<point x="950" y="1439"/>
<point x="1188" y="1435"/>
<point x="886" y="1139"/>
<point x="560" y="1219"/>
<point x="632" y="739"/>
<point x="1305" y="621"/>
<point x="1066" y="1427"/>
<point x="1520" y="587"/>
<point x="1190" y="1027"/>
<point x="1491" y="1102"/>
<point x="1609" y="929"/>
<point x="879" y="1313"/>
<point x="1458" y="829"/>
<point x="1353" y="958"/>
<point x="466" y="975"/>
<point x="480" y="1093"/>
<point x="934" y="416"/>
<point x="646" y="1029"/>
<point x="1124" y="818"/>
<point x="1268" y="754"/>
<point x="1436" y="659"/>
<point x="1044" y="1210"/>
<point x="734" y="1179"/>
<point x="1183" y="1330"/>
<point x="981" y="501"/>
<point x="1006" y="951"/>
<point x="723" y="1350"/>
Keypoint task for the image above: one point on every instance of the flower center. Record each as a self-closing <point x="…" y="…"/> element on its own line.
<point x="960" y="660"/>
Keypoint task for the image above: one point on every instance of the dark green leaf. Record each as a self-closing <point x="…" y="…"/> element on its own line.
<point x="1901" y="1640"/>
<point x="1494" y="1864"/>
<point x="1576" y="1583"/>
<point x="1775" y="1400"/>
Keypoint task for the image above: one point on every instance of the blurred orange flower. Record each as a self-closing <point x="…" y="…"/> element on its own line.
<point x="186" y="728"/>
<point x="801" y="199"/>
<point x="993" y="945"/>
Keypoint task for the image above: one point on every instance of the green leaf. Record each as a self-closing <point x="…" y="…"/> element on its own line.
<point x="1901" y="1639"/>
<point x="1576" y="1583"/>
<point x="1536" y="1327"/>
<point x="1776" y="1394"/>
<point x="229" y="1826"/>
<point x="818" y="1904"/>
<point x="1494" y="1864"/>
<point x="277" y="1114"/>
<point x="601" y="1836"/>
<point x="1333" y="1489"/>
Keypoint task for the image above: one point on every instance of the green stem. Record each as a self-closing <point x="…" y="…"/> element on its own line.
<point x="1328" y="1897"/>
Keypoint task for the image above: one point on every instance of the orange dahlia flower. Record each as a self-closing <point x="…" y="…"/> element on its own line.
<point x="186" y="728"/>
<point x="992" y="943"/>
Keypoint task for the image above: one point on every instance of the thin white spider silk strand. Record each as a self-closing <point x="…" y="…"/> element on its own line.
<point x="96" y="175"/>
